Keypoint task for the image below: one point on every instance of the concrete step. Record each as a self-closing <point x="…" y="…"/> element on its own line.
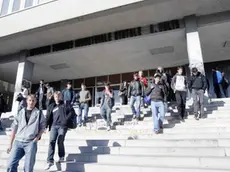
<point x="99" y="167"/>
<point x="162" y="161"/>
<point x="115" y="135"/>
<point x="135" y="151"/>
<point x="143" y="143"/>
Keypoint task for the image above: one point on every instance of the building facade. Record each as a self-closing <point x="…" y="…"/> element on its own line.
<point x="95" y="41"/>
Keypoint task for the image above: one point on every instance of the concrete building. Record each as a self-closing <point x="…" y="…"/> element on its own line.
<point x="95" y="41"/>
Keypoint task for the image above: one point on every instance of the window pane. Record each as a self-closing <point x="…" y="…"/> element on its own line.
<point x="101" y="80"/>
<point x="90" y="82"/>
<point x="78" y="82"/>
<point x="16" y="5"/>
<point x="5" y="6"/>
<point x="115" y="79"/>
<point x="127" y="77"/>
<point x="29" y="3"/>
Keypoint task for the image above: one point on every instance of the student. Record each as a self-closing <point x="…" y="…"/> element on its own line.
<point x="198" y="85"/>
<point x="49" y="95"/>
<point x="217" y="83"/>
<point x="84" y="98"/>
<point x="107" y="103"/>
<point x="158" y="97"/>
<point x="2" y="109"/>
<point x="41" y="92"/>
<point x="179" y="85"/>
<point x="27" y="129"/>
<point x="123" y="93"/>
<point x="225" y="85"/>
<point x="58" y="117"/>
<point x="68" y="94"/>
<point x="135" y="93"/>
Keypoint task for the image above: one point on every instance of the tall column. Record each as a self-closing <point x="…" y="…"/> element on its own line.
<point x="24" y="71"/>
<point x="193" y="44"/>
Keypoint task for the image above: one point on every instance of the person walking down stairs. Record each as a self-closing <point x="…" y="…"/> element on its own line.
<point x="158" y="97"/>
<point x="198" y="85"/>
<point x="58" y="116"/>
<point x="27" y="129"/>
<point x="107" y="103"/>
<point x="135" y="93"/>
<point x="179" y="85"/>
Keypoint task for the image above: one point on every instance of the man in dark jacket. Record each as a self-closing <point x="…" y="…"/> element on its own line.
<point x="135" y="93"/>
<point x="179" y="85"/>
<point x="107" y="103"/>
<point x="41" y="95"/>
<point x="58" y="116"/>
<point x="68" y="94"/>
<point x="198" y="85"/>
<point x="158" y="97"/>
<point x="2" y="108"/>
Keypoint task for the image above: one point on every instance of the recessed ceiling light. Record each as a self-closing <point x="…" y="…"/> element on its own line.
<point x="226" y="44"/>
<point x="162" y="50"/>
<point x="60" y="66"/>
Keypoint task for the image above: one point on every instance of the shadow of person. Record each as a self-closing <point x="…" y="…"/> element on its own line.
<point x="89" y="154"/>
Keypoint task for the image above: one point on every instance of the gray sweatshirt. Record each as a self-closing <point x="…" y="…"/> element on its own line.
<point x="85" y="96"/>
<point x="28" y="132"/>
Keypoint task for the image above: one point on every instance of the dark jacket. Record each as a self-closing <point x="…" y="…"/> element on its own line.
<point x="179" y="83"/>
<point x="2" y="105"/>
<point x="164" y="80"/>
<point x="123" y="90"/>
<point x="65" y="111"/>
<point x="44" y="89"/>
<point x="157" y="92"/>
<point x="136" y="88"/>
<point x="110" y="102"/>
<point x="68" y="95"/>
<point x="198" y="82"/>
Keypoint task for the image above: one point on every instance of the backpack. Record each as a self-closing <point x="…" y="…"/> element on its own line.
<point x="72" y="123"/>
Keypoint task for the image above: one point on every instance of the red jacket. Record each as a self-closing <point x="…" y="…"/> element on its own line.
<point x="144" y="81"/>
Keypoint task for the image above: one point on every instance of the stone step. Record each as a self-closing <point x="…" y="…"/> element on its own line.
<point x="92" y="167"/>
<point x="115" y="135"/>
<point x="135" y="151"/>
<point x="168" y="161"/>
<point x="143" y="143"/>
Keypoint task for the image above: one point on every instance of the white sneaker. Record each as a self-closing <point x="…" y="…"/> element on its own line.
<point x="49" y="165"/>
<point x="62" y="159"/>
<point x="108" y="128"/>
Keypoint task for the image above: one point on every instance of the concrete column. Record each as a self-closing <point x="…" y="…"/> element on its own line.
<point x="24" y="71"/>
<point x="193" y="44"/>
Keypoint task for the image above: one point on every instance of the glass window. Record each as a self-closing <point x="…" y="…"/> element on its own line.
<point x="127" y="77"/>
<point x="5" y="6"/>
<point x="101" y="80"/>
<point x="90" y="81"/>
<point x="115" y="79"/>
<point x="78" y="82"/>
<point x="29" y="3"/>
<point x="16" y="5"/>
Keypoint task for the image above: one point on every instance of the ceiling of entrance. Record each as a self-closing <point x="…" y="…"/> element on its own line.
<point x="111" y="58"/>
<point x="154" y="11"/>
<point x="125" y="55"/>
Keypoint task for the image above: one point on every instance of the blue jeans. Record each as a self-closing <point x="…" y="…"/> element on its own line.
<point x="20" y="149"/>
<point x="85" y="107"/>
<point x="57" y="133"/>
<point x="136" y="99"/>
<point x="158" y="113"/>
<point x="106" y="114"/>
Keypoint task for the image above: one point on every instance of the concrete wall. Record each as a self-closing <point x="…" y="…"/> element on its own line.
<point x="53" y="12"/>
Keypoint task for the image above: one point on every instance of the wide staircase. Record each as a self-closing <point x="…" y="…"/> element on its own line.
<point x="190" y="146"/>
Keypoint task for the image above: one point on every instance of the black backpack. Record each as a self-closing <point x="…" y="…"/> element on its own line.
<point x="72" y="123"/>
